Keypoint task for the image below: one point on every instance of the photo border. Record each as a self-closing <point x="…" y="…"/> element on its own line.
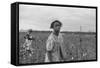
<point x="56" y="5"/>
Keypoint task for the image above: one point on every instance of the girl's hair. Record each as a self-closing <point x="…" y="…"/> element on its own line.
<point x="52" y="24"/>
<point x="30" y="30"/>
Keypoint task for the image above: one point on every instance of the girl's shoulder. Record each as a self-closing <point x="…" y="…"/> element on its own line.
<point x="27" y="36"/>
<point x="61" y="35"/>
<point x="50" y="37"/>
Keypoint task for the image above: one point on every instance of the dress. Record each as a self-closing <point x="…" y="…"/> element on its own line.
<point x="28" y="42"/>
<point x="55" y="49"/>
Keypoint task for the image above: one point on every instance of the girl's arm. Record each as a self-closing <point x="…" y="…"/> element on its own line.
<point x="49" y="45"/>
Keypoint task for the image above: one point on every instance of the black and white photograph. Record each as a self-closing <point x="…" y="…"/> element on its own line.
<point x="53" y="34"/>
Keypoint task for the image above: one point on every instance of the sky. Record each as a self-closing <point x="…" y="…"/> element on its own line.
<point x="38" y="17"/>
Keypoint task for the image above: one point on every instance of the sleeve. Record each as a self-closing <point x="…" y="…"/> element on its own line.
<point x="31" y="38"/>
<point x="49" y="44"/>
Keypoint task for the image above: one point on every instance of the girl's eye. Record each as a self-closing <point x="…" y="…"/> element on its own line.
<point x="57" y="25"/>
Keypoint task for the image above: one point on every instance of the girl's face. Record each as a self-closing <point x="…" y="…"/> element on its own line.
<point x="29" y="32"/>
<point x="56" y="26"/>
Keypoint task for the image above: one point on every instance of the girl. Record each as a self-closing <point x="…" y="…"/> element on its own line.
<point x="28" y="41"/>
<point x="55" y="49"/>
